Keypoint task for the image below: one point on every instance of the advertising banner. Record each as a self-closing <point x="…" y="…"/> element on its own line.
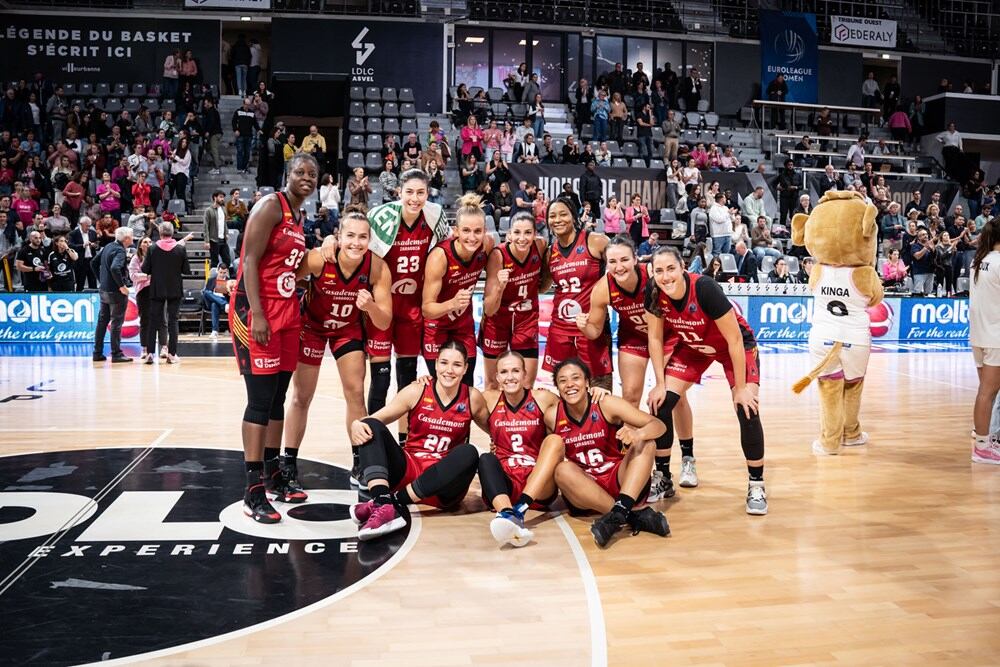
<point x="650" y="184"/>
<point x="57" y="317"/>
<point x="75" y="49"/>
<point x="789" y="45"/>
<point x="387" y="54"/>
<point x="879" y="33"/>
<point x="250" y="5"/>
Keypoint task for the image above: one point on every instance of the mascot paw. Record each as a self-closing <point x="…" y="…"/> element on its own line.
<point x="856" y="442"/>
<point x="819" y="450"/>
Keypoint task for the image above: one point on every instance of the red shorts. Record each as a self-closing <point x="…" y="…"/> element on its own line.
<point x="608" y="481"/>
<point x="312" y="346"/>
<point x="404" y="333"/>
<point x="634" y="345"/>
<point x="596" y="354"/>
<point x="435" y="337"/>
<point x="517" y="331"/>
<point x="518" y="477"/>
<point x="281" y="352"/>
<point x="689" y="365"/>
<point x="416" y="467"/>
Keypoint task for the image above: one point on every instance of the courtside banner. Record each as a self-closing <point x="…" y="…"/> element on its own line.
<point x="57" y="317"/>
<point x="879" y="33"/>
<point x="650" y="184"/>
<point x="789" y="45"/>
<point x="111" y="49"/>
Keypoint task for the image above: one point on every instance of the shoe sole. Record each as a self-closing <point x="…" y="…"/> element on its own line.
<point x="274" y="497"/>
<point x="654" y="497"/>
<point x="260" y="518"/>
<point x="818" y="450"/>
<point x="756" y="512"/>
<point x="856" y="443"/>
<point x="396" y="524"/>
<point x="688" y="484"/>
<point x="980" y="459"/>
<point x="356" y="482"/>
<point x="506" y="532"/>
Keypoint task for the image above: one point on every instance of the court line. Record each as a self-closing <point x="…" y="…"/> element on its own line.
<point x="598" y="632"/>
<point x="934" y="380"/>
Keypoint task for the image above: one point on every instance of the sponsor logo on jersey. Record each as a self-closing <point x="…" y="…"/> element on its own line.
<point x="286" y="284"/>
<point x="460" y="408"/>
<point x="313" y="352"/>
<point x="530" y="406"/>
<point x="569" y="309"/>
<point x="267" y="363"/>
<point x="406" y="287"/>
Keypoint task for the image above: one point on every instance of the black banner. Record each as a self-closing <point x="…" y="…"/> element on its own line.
<point x="104" y="49"/>
<point x="387" y="54"/>
<point x="650" y="184"/>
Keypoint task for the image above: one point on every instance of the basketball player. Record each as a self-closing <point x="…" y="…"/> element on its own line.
<point x="340" y="293"/>
<point x="984" y="337"/>
<point x="596" y="476"/>
<point x="523" y="460"/>
<point x="403" y="232"/>
<point x="453" y="268"/>
<point x="574" y="265"/>
<point x="694" y="309"/>
<point x="510" y="300"/>
<point x="436" y="464"/>
<point x="264" y="318"/>
<point x="624" y="289"/>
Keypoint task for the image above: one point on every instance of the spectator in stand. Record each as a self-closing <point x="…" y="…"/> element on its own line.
<point x="871" y="95"/>
<point x="524" y="198"/>
<point x="856" y="153"/>
<point x="777" y="91"/>
<point x="592" y="188"/>
<point x="329" y="198"/>
<point x="603" y="156"/>
<point x="761" y="241"/>
<point x="216" y="295"/>
<point x="671" y="136"/>
<point x="617" y="81"/>
<point x="779" y="274"/>
<point x="496" y="171"/>
<point x="944" y="264"/>
<point x="240" y="57"/>
<point x="915" y="203"/>
<point x="644" y="131"/>
<point x="713" y="269"/>
<point x="613" y="217"/>
<point x="828" y="181"/>
<point x="881" y="195"/>
<point x="390" y="182"/>
<point x="432" y="154"/>
<point x="917" y="110"/>
<point x="890" y="97"/>
<point x="600" y="112"/>
<point x="171" y="74"/>
<point x="211" y="125"/>
<point x="236" y="211"/>
<point x="30" y="262"/>
<point x="788" y="191"/>
<point x="637" y="220"/>
<point x="471" y="174"/>
<point x="824" y="125"/>
<point x="587" y="222"/>
<point x="617" y="116"/>
<point x="165" y="264"/>
<point x="584" y="99"/>
<point x="137" y="223"/>
<point x="536" y="112"/>
<point x="531" y="89"/>
<point x="106" y="227"/>
<point x="922" y="263"/>
<point x="503" y="203"/>
<point x="392" y="151"/>
<point x="23" y="204"/>
<point x="900" y="125"/>
<point x="253" y="71"/>
<point x="952" y="149"/>
<point x="527" y="151"/>
<point x="973" y="191"/>
<point x="648" y="247"/>
<point x="658" y="98"/>
<point x="753" y="205"/>
<point x="359" y="188"/>
<point x="893" y="224"/>
<point x="740" y="233"/>
<point x="894" y="271"/>
<point x="314" y="144"/>
<point x="245" y="127"/>
<point x="216" y="231"/>
<point x="571" y="151"/>
<point x="699" y="221"/>
<point x="288" y="151"/>
<point x="548" y="151"/>
<point x="57" y="223"/>
<point x="507" y="141"/>
<point x="746" y="264"/>
<point x="985" y="216"/>
<point x="114" y="283"/>
<point x="83" y="240"/>
<point x="141" y="191"/>
<point x="690" y="90"/>
<point x="539" y="208"/>
<point x="435" y="183"/>
<point x="720" y="222"/>
<point x="436" y="135"/>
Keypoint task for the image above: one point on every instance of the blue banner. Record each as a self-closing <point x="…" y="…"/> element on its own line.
<point x="789" y="45"/>
<point x="56" y="317"/>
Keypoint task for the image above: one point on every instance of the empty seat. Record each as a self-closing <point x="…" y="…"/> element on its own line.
<point x="408" y="110"/>
<point x="373" y="142"/>
<point x="113" y="105"/>
<point x="495" y="94"/>
<point x="373" y="94"/>
<point x="638" y="163"/>
<point x="168" y="105"/>
<point x="656" y="164"/>
<point x="728" y="263"/>
<point x="265" y="190"/>
<point x="667" y="215"/>
<point x="151" y="103"/>
<point x="390" y="110"/>
<point x="177" y="207"/>
<point x="85" y="89"/>
<point x="390" y="125"/>
<point x="355" y="160"/>
<point x="702" y="105"/>
<point x="712" y="121"/>
<point x="793" y="264"/>
<point x="103" y="90"/>
<point x="139" y="90"/>
<point x="587" y="132"/>
<point x="120" y="90"/>
<point x="504" y="224"/>
<point x="630" y="149"/>
<point x="356" y="142"/>
<point x="357" y="93"/>
<point x="246" y="192"/>
<point x="629" y="133"/>
<point x="356" y="125"/>
<point x="357" y="109"/>
<point x="408" y="125"/>
<point x="619" y="162"/>
<point x="373" y="162"/>
<point x="614" y="147"/>
<point x="373" y="126"/>
<point x="373" y="110"/>
<point x="69" y="89"/>
<point x="657" y="133"/>
<point x="519" y="111"/>
<point x="767" y="264"/>
<point x="131" y="105"/>
<point x="405" y="95"/>
<point x="693" y="119"/>
<point x="388" y="94"/>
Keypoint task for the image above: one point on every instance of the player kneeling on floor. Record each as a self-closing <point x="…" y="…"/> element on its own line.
<point x="596" y="476"/>
<point x="437" y="463"/>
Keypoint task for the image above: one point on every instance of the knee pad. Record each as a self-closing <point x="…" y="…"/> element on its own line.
<point x="277" y="411"/>
<point x="665" y="413"/>
<point x="406" y="371"/>
<point x="467" y="455"/>
<point x="379" y="389"/>
<point x="751" y="435"/>
<point x="260" y="397"/>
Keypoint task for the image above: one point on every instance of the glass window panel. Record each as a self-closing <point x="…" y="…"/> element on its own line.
<point x="472" y="57"/>
<point x="670" y="52"/>
<point x="509" y="51"/>
<point x="572" y="61"/>
<point x="609" y="52"/>
<point x="700" y="55"/>
<point x="546" y="61"/>
<point x="640" y="51"/>
<point x="587" y="60"/>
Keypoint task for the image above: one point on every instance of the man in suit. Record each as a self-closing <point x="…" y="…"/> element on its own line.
<point x="828" y="181"/>
<point x="83" y="240"/>
<point x="746" y="263"/>
<point x="166" y="263"/>
<point x="114" y="284"/>
<point x="216" y="231"/>
<point x="691" y="90"/>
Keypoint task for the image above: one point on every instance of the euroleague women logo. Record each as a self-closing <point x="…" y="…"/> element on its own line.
<point x="158" y="533"/>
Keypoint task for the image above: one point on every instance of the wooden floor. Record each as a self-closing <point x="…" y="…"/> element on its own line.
<point x="887" y="555"/>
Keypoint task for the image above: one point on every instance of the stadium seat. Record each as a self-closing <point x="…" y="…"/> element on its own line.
<point x="113" y="105"/>
<point x="69" y="89"/>
<point x="388" y="94"/>
<point x="711" y="121"/>
<point x="373" y="142"/>
<point x="357" y="109"/>
<point x="390" y="110"/>
<point x="373" y="126"/>
<point x="629" y="133"/>
<point x="504" y="224"/>
<point x="793" y="264"/>
<point x="356" y="125"/>
<point x="131" y="105"/>
<point x="168" y="105"/>
<point x="357" y="93"/>
<point x="475" y="90"/>
<point x="139" y="90"/>
<point x="85" y="89"/>
<point x="728" y="263"/>
<point x="767" y="264"/>
<point x="408" y="125"/>
<point x="638" y="163"/>
<point x="265" y="190"/>
<point x="656" y="164"/>
<point x="657" y="133"/>
<point x="103" y="90"/>
<point x="519" y="111"/>
<point x="151" y="103"/>
<point x="692" y="119"/>
<point x="390" y="126"/>
<point x="373" y="94"/>
<point x="373" y="162"/>
<point x="177" y="207"/>
<point x="355" y="160"/>
<point x="619" y="162"/>
<point x="587" y="132"/>
<point x="667" y="215"/>
<point x="406" y="95"/>
<point x="373" y="110"/>
<point x="630" y="149"/>
<point x="408" y="110"/>
<point x="120" y="90"/>
<point x="356" y="142"/>
<point x="614" y="147"/>
<point x="495" y="94"/>
<point x="702" y="105"/>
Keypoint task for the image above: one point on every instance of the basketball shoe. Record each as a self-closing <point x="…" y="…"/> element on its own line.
<point x="605" y="527"/>
<point x="756" y="498"/>
<point x="257" y="507"/>
<point x="384" y="519"/>
<point x="508" y="527"/>
<point x="986" y="449"/>
<point x="283" y="485"/>
<point x="689" y="474"/>
<point x="661" y="487"/>
<point x="856" y="442"/>
<point x="650" y="521"/>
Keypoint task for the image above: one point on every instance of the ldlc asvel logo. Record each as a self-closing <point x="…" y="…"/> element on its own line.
<point x="362" y="51"/>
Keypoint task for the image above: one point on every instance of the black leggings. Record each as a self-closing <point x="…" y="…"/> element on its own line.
<point x="493" y="479"/>
<point x="266" y="397"/>
<point x="449" y="479"/>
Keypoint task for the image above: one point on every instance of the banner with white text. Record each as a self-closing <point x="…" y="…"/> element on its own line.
<point x="650" y="184"/>
<point x="878" y="33"/>
<point x="789" y="45"/>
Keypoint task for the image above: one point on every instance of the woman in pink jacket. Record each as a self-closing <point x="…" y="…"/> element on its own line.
<point x="894" y="271"/>
<point x="472" y="139"/>
<point x="612" y="217"/>
<point x="637" y="220"/>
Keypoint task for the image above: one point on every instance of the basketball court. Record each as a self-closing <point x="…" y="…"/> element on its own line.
<point x="885" y="555"/>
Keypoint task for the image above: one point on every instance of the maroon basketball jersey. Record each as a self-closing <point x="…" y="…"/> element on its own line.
<point x="591" y="442"/>
<point x="693" y="328"/>
<point x="630" y="308"/>
<point x="330" y="302"/>
<point x="407" y="259"/>
<point x="517" y="431"/>
<point x="459" y="275"/>
<point x="521" y="292"/>
<point x="435" y="428"/>
<point x="574" y="273"/>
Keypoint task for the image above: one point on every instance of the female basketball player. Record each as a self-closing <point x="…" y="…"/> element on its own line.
<point x="694" y="309"/>
<point x="984" y="336"/>
<point x="436" y="465"/>
<point x="624" y="289"/>
<point x="453" y="268"/>
<point x="596" y="475"/>
<point x="510" y="300"/>
<point x="341" y="292"/>
<point x="523" y="459"/>
<point x="574" y="265"/>
<point x="264" y="318"/>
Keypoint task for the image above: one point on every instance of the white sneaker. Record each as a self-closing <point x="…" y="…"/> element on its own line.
<point x="163" y="352"/>
<point x="986" y="450"/>
<point x="214" y="335"/>
<point x="756" y="498"/>
<point x="173" y="359"/>
<point x="818" y="449"/>
<point x="689" y="474"/>
<point x="509" y="530"/>
<point x="150" y="359"/>
<point x="660" y="487"/>
<point x="855" y="442"/>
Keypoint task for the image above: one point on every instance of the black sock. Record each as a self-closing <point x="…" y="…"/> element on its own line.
<point x="402" y="438"/>
<point x="291" y="456"/>
<point x="271" y="453"/>
<point x="380" y="493"/>
<point x="687" y="447"/>
<point x="254" y="470"/>
<point x="355" y="459"/>
<point x="379" y="388"/>
<point x="272" y="464"/>
<point x="403" y="498"/>
<point x="663" y="465"/>
<point x="523" y="503"/>
<point x="623" y="505"/>
<point x="756" y="473"/>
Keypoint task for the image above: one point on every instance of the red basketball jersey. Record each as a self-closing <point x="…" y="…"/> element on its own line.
<point x="434" y="427"/>
<point x="517" y="431"/>
<point x="286" y="247"/>
<point x="630" y="308"/>
<point x="590" y="443"/>
<point x="574" y="273"/>
<point x="330" y="302"/>
<point x="521" y="292"/>
<point x="459" y="275"/>
<point x="407" y="259"/>
<point x="693" y="327"/>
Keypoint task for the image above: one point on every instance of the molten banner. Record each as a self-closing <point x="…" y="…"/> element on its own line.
<point x="789" y="45"/>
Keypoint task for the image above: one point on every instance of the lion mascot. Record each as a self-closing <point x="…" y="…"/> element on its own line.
<point x="841" y="234"/>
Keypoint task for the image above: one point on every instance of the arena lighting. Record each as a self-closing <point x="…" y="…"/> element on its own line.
<point x="475" y="40"/>
<point x="534" y="42"/>
<point x="246" y="18"/>
<point x="885" y="56"/>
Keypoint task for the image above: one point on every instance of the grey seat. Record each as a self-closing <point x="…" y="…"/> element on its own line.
<point x="113" y="105"/>
<point x="793" y="264"/>
<point x="408" y="110"/>
<point x="390" y="125"/>
<point x="405" y="95"/>
<point x="357" y="93"/>
<point x="388" y="94"/>
<point x="355" y="160"/>
<point x="390" y="110"/>
<point x="139" y="90"/>
<point x="630" y="149"/>
<point x="728" y="263"/>
<point x="356" y="125"/>
<point x="373" y="110"/>
<point x="619" y="162"/>
<point x="103" y="90"/>
<point x="373" y="142"/>
<point x="131" y="105"/>
<point x="638" y="163"/>
<point x="587" y="132"/>
<point x="177" y="207"/>
<point x="356" y="142"/>
<point x="373" y="94"/>
<point x="373" y="162"/>
<point x="629" y="133"/>
<point x="656" y="164"/>
<point x="120" y="90"/>
<point x="408" y="125"/>
<point x="357" y="109"/>
<point x="373" y="126"/>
